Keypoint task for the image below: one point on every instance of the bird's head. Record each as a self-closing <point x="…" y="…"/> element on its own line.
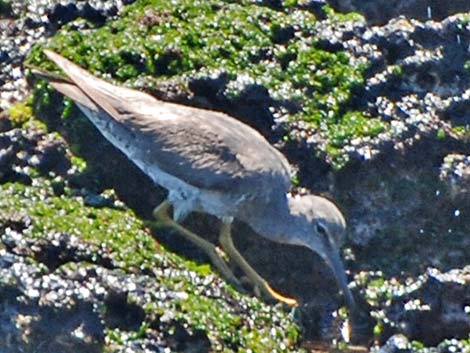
<point x="322" y="228"/>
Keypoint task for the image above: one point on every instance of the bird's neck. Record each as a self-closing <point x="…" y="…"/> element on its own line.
<point x="274" y="221"/>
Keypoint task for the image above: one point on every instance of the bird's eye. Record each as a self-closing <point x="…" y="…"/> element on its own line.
<point x="321" y="229"/>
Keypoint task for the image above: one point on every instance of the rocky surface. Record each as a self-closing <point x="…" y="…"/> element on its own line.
<point x="455" y="172"/>
<point x="414" y="81"/>
<point x="25" y="23"/>
<point x="380" y="12"/>
<point x="404" y="189"/>
<point x="79" y="272"/>
<point x="433" y="308"/>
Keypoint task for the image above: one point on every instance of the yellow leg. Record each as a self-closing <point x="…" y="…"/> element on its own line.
<point x="161" y="214"/>
<point x="225" y="239"/>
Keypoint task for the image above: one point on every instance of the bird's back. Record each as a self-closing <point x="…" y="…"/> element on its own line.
<point x="205" y="149"/>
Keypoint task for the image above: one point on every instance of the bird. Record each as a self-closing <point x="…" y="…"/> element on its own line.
<point x="210" y="163"/>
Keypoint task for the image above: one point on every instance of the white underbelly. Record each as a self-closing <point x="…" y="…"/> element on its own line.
<point x="186" y="198"/>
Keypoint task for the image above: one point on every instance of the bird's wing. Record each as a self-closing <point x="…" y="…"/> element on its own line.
<point x="217" y="151"/>
<point x="204" y="148"/>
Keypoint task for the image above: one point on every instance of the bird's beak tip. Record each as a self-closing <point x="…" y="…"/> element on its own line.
<point x="336" y="264"/>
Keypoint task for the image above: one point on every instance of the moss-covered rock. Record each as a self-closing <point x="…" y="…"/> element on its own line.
<point x="262" y="63"/>
<point x="83" y="273"/>
<point x="257" y="53"/>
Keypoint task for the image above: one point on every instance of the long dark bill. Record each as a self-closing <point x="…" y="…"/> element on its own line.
<point x="336" y="264"/>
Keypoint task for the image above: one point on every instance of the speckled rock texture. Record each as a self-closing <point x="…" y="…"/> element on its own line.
<point x="380" y="12"/>
<point x="69" y="309"/>
<point x="62" y="289"/>
<point x="455" y="172"/>
<point x="410" y="103"/>
<point x="405" y="191"/>
<point x="435" y="306"/>
<point x="24" y="23"/>
<point x="417" y="81"/>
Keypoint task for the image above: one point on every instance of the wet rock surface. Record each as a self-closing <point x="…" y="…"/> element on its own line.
<point x="380" y="12"/>
<point x="414" y="81"/>
<point x="33" y="149"/>
<point x="437" y="307"/>
<point x="405" y="193"/>
<point x="68" y="310"/>
<point x="61" y="292"/>
<point x="455" y="172"/>
<point x="25" y="23"/>
<point x="47" y="312"/>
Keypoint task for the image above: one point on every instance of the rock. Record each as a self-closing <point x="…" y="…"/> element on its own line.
<point x="31" y="21"/>
<point x="405" y="191"/>
<point x="21" y="148"/>
<point x="435" y="308"/>
<point x="379" y="12"/>
<point x="396" y="344"/>
<point x="455" y="172"/>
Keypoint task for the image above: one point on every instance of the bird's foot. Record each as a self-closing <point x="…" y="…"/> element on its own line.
<point x="260" y="285"/>
<point x="267" y="291"/>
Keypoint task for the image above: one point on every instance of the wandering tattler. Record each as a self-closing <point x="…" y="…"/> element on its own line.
<point x="210" y="163"/>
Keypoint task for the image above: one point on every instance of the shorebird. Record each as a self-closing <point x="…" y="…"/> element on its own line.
<point x="212" y="163"/>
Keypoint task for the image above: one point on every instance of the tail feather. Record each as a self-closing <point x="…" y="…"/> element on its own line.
<point x="65" y="86"/>
<point x="118" y="102"/>
<point x="74" y="93"/>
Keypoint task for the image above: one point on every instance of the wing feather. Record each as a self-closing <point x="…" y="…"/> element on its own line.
<point x="204" y="148"/>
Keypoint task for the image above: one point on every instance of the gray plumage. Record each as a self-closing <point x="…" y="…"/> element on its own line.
<point x="209" y="162"/>
<point x="204" y="149"/>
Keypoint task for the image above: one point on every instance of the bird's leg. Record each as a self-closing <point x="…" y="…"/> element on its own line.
<point x="226" y="242"/>
<point x="161" y="213"/>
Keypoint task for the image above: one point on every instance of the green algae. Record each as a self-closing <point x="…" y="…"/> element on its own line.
<point x="463" y="132"/>
<point x="20" y="113"/>
<point x="466" y="65"/>
<point x="50" y="213"/>
<point x="338" y="17"/>
<point x="117" y="232"/>
<point x="230" y="320"/>
<point x="154" y="41"/>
